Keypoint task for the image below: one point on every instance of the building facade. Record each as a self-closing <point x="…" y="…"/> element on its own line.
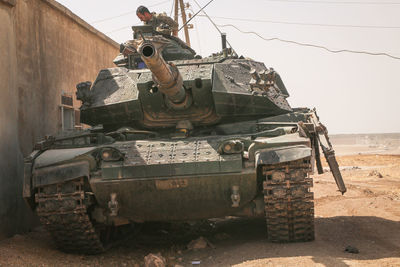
<point x="45" y="50"/>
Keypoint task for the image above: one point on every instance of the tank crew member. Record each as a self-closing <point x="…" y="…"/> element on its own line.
<point x="160" y="22"/>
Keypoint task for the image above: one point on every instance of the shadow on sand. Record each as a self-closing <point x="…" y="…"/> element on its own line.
<point x="239" y="240"/>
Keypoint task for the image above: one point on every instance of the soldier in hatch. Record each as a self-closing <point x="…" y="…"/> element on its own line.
<point x="160" y="22"/>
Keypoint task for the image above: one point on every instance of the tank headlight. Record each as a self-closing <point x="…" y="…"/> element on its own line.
<point x="231" y="147"/>
<point x="111" y="154"/>
<point x="227" y="148"/>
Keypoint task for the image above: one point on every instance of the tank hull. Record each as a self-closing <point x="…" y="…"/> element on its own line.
<point x="177" y="198"/>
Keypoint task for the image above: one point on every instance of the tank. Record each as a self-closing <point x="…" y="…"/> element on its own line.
<point x="177" y="137"/>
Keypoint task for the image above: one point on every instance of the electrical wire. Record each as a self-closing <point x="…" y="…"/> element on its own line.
<point x="127" y="13"/>
<point x="297" y="23"/>
<point x="198" y="36"/>
<point x="311" y="45"/>
<point x="215" y="25"/>
<point x="122" y="28"/>
<point x="336" y="2"/>
<point x="201" y="9"/>
<point x="172" y="8"/>
<point x="307" y="24"/>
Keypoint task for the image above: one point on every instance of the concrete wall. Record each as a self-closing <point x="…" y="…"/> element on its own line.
<point x="11" y="206"/>
<point x="45" y="50"/>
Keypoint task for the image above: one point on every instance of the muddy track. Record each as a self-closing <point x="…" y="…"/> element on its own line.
<point x="289" y="205"/>
<point x="62" y="208"/>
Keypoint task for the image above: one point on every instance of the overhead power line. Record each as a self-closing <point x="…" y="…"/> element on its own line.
<point x="291" y="23"/>
<point x="308" y="24"/>
<point x="336" y="2"/>
<point x="128" y="13"/>
<point x="213" y="23"/>
<point x="172" y="8"/>
<point x="312" y="45"/>
<point x="119" y="29"/>
<point x="201" y="9"/>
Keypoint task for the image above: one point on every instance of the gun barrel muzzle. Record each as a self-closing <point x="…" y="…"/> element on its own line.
<point x="167" y="76"/>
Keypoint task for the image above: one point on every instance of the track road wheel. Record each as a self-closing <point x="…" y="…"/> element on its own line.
<point x="289" y="204"/>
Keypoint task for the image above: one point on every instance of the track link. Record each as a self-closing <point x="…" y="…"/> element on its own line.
<point x="62" y="208"/>
<point x="289" y="205"/>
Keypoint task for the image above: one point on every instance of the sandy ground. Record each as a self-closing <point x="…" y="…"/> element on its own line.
<point x="366" y="217"/>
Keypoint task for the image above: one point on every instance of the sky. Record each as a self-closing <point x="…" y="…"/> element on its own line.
<point x="353" y="93"/>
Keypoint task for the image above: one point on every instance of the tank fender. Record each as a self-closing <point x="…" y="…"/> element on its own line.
<point x="60" y="173"/>
<point x="27" y="183"/>
<point x="283" y="154"/>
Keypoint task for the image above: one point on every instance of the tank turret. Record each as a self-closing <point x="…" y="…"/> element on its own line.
<point x="160" y="89"/>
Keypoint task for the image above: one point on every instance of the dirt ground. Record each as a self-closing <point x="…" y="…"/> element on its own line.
<point x="366" y="217"/>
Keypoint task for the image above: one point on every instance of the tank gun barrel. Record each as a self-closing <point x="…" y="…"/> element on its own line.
<point x="166" y="76"/>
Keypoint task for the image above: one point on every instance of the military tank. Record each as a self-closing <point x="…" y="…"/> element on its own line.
<point x="177" y="137"/>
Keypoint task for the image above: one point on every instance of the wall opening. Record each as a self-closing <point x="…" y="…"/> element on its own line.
<point x="70" y="118"/>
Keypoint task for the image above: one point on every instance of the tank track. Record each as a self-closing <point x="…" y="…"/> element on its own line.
<point x="62" y="208"/>
<point x="289" y="205"/>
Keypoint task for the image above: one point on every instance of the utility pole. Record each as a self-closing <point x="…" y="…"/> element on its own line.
<point x="184" y="21"/>
<point x="176" y="15"/>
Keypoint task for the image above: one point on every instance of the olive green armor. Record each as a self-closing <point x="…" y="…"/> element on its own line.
<point x="178" y="137"/>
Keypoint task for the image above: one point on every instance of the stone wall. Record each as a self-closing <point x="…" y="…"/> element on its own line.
<point x="45" y="51"/>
